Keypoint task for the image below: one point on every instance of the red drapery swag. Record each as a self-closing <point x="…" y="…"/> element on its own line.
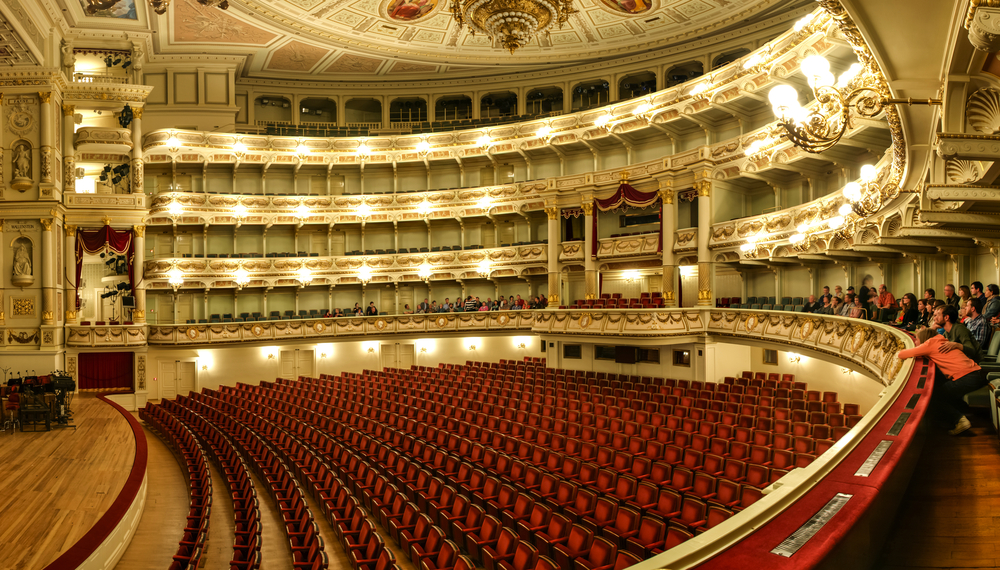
<point x="628" y="195"/>
<point x="106" y="371"/>
<point x="106" y="239"/>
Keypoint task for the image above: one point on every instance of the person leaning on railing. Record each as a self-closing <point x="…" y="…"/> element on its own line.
<point x="957" y="376"/>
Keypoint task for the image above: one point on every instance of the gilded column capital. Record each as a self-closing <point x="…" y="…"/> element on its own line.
<point x="137" y="113"/>
<point x="68" y="110"/>
<point x="667" y="195"/>
<point x="70" y="230"/>
<point x="704" y="188"/>
<point x="140" y="231"/>
<point x="588" y="208"/>
<point x="552" y="211"/>
<point x="45" y="96"/>
<point x="46" y="224"/>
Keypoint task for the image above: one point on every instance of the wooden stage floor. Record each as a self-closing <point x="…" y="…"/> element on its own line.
<point x="57" y="484"/>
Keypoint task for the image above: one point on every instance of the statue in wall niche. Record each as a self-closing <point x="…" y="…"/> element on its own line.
<point x="21" y="166"/>
<point x="21" y="274"/>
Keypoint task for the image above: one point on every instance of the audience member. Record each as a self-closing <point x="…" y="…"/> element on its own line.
<point x="407" y="310"/>
<point x="958" y="376"/>
<point x="826" y="296"/>
<point x="929" y="294"/>
<point x="964" y="294"/>
<point x="838" y="292"/>
<point x="338" y="313"/>
<point x="813" y="305"/>
<point x="907" y="313"/>
<point x="949" y="295"/>
<point x="371" y="311"/>
<point x="977" y="290"/>
<point x="827" y="307"/>
<point x="923" y="312"/>
<point x="886" y="302"/>
<point x="957" y="334"/>
<point x="975" y="322"/>
<point x="470" y="304"/>
<point x="424" y="307"/>
<point x="845" y="308"/>
<point x="358" y="311"/>
<point x="991" y="310"/>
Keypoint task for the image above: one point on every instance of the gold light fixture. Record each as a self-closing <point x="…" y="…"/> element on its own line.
<point x="511" y="24"/>
<point x="175" y="278"/>
<point x="364" y="274"/>
<point x="304" y="275"/>
<point x="424" y="271"/>
<point x="484" y="269"/>
<point x="242" y="277"/>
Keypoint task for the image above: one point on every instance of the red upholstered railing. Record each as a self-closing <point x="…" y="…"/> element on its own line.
<point x="96" y="536"/>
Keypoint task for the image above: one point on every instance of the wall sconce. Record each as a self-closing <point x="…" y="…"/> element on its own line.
<point x="364" y="211"/>
<point x="270" y="356"/>
<point x="302" y="151"/>
<point x="175" y="210"/>
<point x="302" y="212"/>
<point x="371" y="350"/>
<point x="363" y="150"/>
<point x="304" y="276"/>
<point x="424" y="208"/>
<point x="424" y="271"/>
<point x="643" y="111"/>
<point x="239" y="149"/>
<point x="485" y="204"/>
<point x="364" y="274"/>
<point x="423" y="147"/>
<point x="423" y="349"/>
<point x="794" y="358"/>
<point x="630" y="276"/>
<point x="485" y="141"/>
<point x="204" y="368"/>
<point x="240" y="211"/>
<point x="322" y="355"/>
<point x="522" y="346"/>
<point x="544" y="132"/>
<point x="846" y="370"/>
<point x="484" y="269"/>
<point x="173" y="144"/>
<point x="472" y="347"/>
<point x="603" y="121"/>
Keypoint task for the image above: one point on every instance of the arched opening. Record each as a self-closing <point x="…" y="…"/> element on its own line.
<point x="273" y="111"/>
<point x="544" y="100"/>
<point x="637" y="85"/>
<point x="680" y="73"/>
<point x="590" y="94"/>
<point x="453" y="108"/>
<point x="363" y="113"/>
<point x="404" y="111"/>
<point x="500" y="104"/>
<point x="729" y="57"/>
<point x="317" y="110"/>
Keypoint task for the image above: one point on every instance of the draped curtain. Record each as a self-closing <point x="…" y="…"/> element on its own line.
<point x="106" y="371"/>
<point x="120" y="242"/>
<point x="629" y="196"/>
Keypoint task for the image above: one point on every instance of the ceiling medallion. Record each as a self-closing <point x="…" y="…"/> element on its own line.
<point x="511" y="23"/>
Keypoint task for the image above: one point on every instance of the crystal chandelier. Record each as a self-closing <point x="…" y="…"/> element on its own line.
<point x="511" y="23"/>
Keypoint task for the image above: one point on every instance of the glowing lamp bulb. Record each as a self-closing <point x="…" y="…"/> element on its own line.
<point x="302" y="149"/>
<point x="424" y="271"/>
<point x="484" y="203"/>
<point x="304" y="275"/>
<point x="175" y="209"/>
<point x="364" y="274"/>
<point x="602" y="120"/>
<point x="173" y="142"/>
<point x="484" y="267"/>
<point x="797" y="238"/>
<point x="642" y="109"/>
<point x="747" y="247"/>
<point x="240" y="211"/>
<point x="423" y="147"/>
<point x="784" y="101"/>
<point x="363" y="149"/>
<point x="815" y="66"/>
<point x="835" y="222"/>
<point x="239" y="147"/>
<point x="845" y="210"/>
<point x="852" y="191"/>
<point x="364" y="210"/>
<point x="242" y="276"/>
<point x="544" y="131"/>
<point x="484" y="140"/>
<point x="175" y="276"/>
<point x="302" y="211"/>
<point x="868" y="173"/>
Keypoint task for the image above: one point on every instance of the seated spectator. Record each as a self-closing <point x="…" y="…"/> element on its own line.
<point x="975" y="322"/>
<point x="358" y="311"/>
<point x="407" y="310"/>
<point x="923" y="312"/>
<point x="872" y="304"/>
<point x="949" y="295"/>
<point x="826" y="296"/>
<point x="502" y="304"/>
<point x="844" y="308"/>
<point x="838" y="291"/>
<point x="827" y="307"/>
<point x="338" y="313"/>
<point x="957" y="334"/>
<point x="519" y="302"/>
<point x="371" y="311"/>
<point x="991" y="310"/>
<point x="470" y="304"/>
<point x="858" y="311"/>
<point x="544" y="300"/>
<point x="424" y="307"/>
<point x="977" y="290"/>
<point x="484" y="307"/>
<point x="327" y="314"/>
<point x="434" y="307"/>
<point x="887" y="303"/>
<point x="959" y="376"/>
<point x="907" y="312"/>
<point x="929" y="293"/>
<point x="813" y="305"/>
<point x="964" y="294"/>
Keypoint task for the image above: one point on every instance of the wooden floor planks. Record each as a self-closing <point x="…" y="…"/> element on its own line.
<point x="950" y="515"/>
<point x="56" y="485"/>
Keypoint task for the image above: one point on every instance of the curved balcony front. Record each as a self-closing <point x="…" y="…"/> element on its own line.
<point x="103" y="140"/>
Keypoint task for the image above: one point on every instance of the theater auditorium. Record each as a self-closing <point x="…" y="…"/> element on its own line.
<point x="499" y="284"/>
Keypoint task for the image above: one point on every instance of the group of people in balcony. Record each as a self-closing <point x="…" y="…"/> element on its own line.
<point x="473" y="304"/>
<point x="470" y="304"/>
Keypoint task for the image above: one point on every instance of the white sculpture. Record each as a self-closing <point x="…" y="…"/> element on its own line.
<point x="21" y="167"/>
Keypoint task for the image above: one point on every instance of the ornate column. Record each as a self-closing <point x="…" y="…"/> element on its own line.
<point x="45" y="127"/>
<point x="589" y="263"/>
<point x="69" y="293"/>
<point x="553" y="253"/>
<point x="68" y="150"/>
<point x="138" y="184"/>
<point x="48" y="273"/>
<point x="669" y="279"/>
<point x="706" y="269"/>
<point x="138" y="269"/>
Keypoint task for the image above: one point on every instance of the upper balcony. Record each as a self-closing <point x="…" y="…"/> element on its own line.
<point x="101" y="140"/>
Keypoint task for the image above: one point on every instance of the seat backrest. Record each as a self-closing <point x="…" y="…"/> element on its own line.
<point x="558" y="527"/>
<point x="580" y="538"/>
<point x="602" y="552"/>
<point x="490" y="529"/>
<point x="676" y="536"/>
<point x="506" y="543"/>
<point x="605" y="510"/>
<point x="435" y="539"/>
<point x="462" y="563"/>
<point x="539" y="516"/>
<point x="625" y="559"/>
<point x="627" y="519"/>
<point x="525" y="556"/>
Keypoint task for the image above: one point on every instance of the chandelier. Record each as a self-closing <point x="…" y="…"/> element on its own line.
<point x="511" y="23"/>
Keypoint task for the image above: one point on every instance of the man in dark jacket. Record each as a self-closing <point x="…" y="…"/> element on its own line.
<point x="813" y="305"/>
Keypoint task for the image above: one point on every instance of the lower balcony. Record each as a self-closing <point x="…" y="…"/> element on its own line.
<point x="106" y="335"/>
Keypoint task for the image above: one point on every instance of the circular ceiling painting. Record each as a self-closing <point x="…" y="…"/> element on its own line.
<point x="629" y="6"/>
<point x="410" y="10"/>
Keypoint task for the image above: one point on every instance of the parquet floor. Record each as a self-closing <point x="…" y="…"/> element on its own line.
<point x="55" y="485"/>
<point x="950" y="515"/>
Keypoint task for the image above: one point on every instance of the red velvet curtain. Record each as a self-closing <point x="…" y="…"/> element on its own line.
<point x="628" y="195"/>
<point x="104" y="240"/>
<point x="106" y="371"/>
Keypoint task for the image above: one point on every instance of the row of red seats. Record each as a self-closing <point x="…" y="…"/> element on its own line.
<point x="582" y="493"/>
<point x="246" y="507"/>
<point x="300" y="528"/>
<point x="191" y="458"/>
<point x="451" y="509"/>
